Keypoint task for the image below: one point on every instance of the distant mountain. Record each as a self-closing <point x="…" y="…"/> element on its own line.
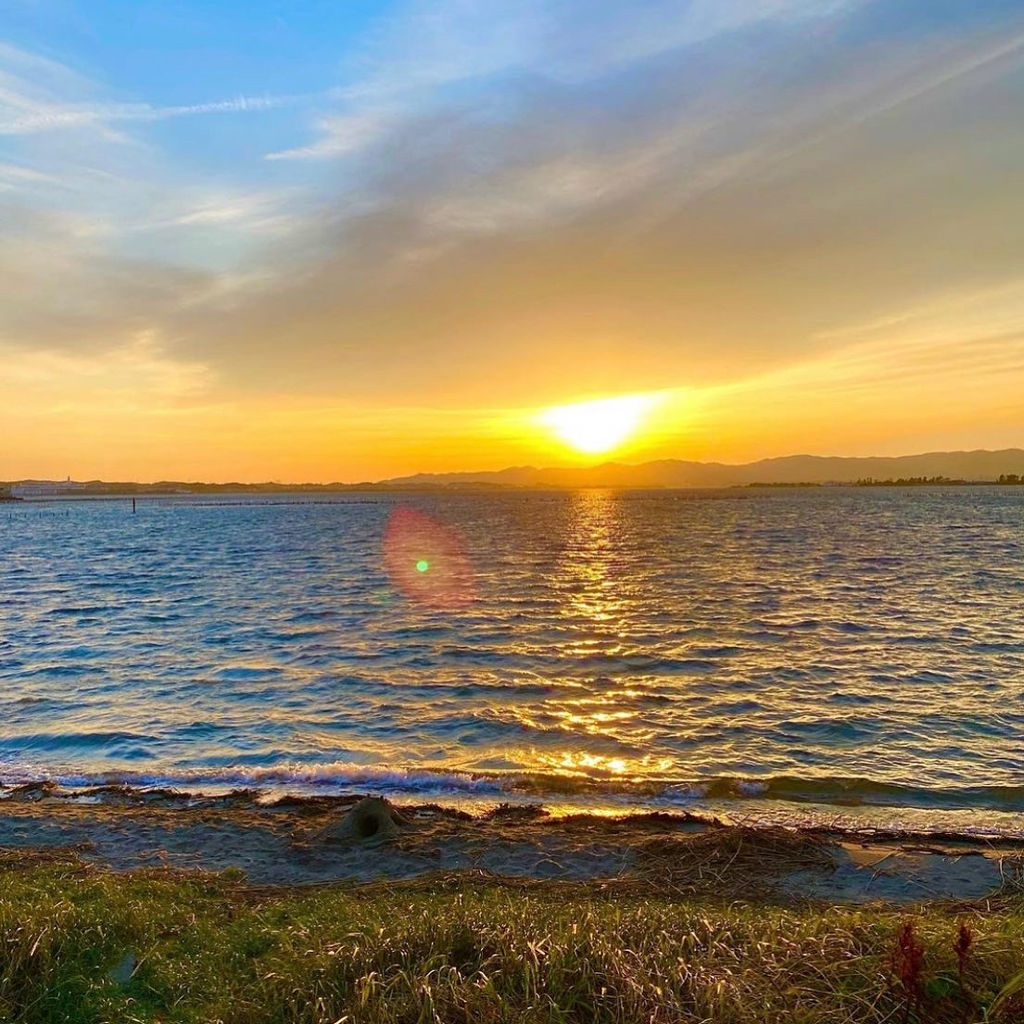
<point x="976" y="466"/>
<point x="973" y="467"/>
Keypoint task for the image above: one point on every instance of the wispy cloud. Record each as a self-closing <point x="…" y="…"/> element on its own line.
<point x="13" y="175"/>
<point x="53" y="117"/>
<point x="426" y="50"/>
<point x="524" y="199"/>
<point x="132" y="374"/>
<point x="425" y="46"/>
<point x="699" y="198"/>
<point x="342" y="134"/>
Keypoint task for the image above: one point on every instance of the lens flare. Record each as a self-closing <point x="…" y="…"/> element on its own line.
<point x="425" y="560"/>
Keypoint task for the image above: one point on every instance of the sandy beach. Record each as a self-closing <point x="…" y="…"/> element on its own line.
<point x="156" y="906"/>
<point x="282" y="843"/>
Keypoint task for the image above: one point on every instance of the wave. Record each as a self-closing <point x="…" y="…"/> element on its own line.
<point x="301" y="779"/>
<point x="345" y="778"/>
<point x="855" y="792"/>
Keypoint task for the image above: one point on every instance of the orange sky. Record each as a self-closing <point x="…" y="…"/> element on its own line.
<point x="84" y="421"/>
<point x="796" y="226"/>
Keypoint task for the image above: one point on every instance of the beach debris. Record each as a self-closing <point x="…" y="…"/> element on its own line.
<point x="121" y="973"/>
<point x="31" y="792"/>
<point x="446" y="813"/>
<point x="301" y="804"/>
<point x="372" y="821"/>
<point x="733" y="858"/>
<point x="506" y="812"/>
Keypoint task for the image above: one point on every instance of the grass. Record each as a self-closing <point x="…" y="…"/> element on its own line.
<point x="207" y="949"/>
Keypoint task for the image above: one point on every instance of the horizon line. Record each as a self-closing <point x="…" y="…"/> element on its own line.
<point x="572" y="467"/>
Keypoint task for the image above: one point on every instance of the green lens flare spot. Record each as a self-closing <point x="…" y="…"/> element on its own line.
<point x="422" y="565"/>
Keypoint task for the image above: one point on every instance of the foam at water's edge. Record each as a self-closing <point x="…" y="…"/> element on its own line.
<point x="341" y="778"/>
<point x="301" y="780"/>
<point x="792" y="656"/>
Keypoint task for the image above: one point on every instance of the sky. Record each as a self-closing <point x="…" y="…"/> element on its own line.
<point x="315" y="240"/>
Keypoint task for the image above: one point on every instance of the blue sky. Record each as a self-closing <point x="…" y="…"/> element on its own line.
<point x="378" y="211"/>
<point x="185" y="52"/>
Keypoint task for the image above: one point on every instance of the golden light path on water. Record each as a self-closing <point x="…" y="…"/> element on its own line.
<point x="592" y="592"/>
<point x="830" y="646"/>
<point x="590" y="595"/>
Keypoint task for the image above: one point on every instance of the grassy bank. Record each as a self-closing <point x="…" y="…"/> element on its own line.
<point x="81" y="945"/>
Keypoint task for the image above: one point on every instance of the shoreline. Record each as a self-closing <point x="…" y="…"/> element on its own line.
<point x="830" y="805"/>
<point x="280" y="842"/>
<point x="351" y="494"/>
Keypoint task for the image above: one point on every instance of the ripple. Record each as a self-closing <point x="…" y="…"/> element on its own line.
<point x="618" y="640"/>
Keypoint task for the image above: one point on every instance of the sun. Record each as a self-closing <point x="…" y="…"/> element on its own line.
<point x="601" y="425"/>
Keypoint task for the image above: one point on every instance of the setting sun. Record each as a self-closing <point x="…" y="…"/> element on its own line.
<point x="600" y="425"/>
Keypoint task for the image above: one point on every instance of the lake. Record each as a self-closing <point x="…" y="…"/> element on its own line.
<point x="768" y="653"/>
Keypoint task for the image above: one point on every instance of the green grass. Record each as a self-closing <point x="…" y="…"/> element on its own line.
<point x="471" y="951"/>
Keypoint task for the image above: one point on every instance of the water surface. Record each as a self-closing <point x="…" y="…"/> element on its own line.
<point x="770" y="648"/>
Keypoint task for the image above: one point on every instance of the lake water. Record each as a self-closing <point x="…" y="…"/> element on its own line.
<point x="823" y="652"/>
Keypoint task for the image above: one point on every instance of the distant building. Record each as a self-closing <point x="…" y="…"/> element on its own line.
<point x="45" y="488"/>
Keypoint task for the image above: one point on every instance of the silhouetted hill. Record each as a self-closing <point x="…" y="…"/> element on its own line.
<point x="972" y="467"/>
<point x="791" y="469"/>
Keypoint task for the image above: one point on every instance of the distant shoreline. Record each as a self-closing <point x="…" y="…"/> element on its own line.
<point x="114" y="492"/>
<point x="979" y="468"/>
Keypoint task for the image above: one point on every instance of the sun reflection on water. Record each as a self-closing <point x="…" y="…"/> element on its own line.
<point x="586" y="568"/>
<point x="583" y="764"/>
<point x="594" y="610"/>
<point x="820" y="645"/>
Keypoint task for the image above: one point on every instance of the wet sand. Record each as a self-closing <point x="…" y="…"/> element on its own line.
<point x="282" y="844"/>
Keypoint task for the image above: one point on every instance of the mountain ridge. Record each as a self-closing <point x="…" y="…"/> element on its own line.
<point x="976" y="466"/>
<point x="979" y="465"/>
